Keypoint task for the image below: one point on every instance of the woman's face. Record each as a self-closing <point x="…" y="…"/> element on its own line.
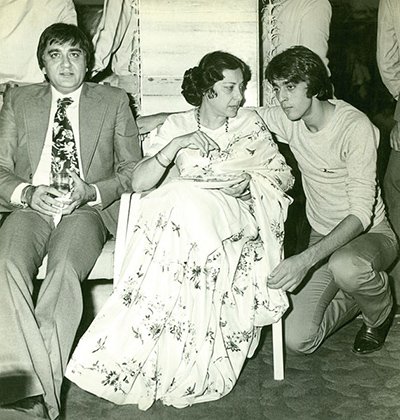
<point x="229" y="94"/>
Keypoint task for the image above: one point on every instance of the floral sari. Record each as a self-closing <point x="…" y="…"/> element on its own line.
<point x="193" y="294"/>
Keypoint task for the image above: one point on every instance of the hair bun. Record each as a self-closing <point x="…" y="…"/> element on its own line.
<point x="190" y="85"/>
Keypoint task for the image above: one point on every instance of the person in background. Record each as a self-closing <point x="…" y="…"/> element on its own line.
<point x="193" y="296"/>
<point x="342" y="271"/>
<point x="21" y="23"/>
<point x="285" y="23"/>
<point x="63" y="134"/>
<point x="388" y="59"/>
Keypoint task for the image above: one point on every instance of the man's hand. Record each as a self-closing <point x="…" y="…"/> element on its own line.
<point x="289" y="273"/>
<point x="44" y="199"/>
<point x="395" y="137"/>
<point x="82" y="194"/>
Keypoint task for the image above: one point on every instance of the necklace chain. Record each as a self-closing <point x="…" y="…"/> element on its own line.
<point x="199" y="125"/>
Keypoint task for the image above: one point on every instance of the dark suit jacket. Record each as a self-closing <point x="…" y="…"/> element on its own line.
<point x="109" y="145"/>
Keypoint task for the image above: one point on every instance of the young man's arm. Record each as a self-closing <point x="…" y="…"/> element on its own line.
<point x="276" y="121"/>
<point x="360" y="149"/>
<point x="147" y="123"/>
<point x="291" y="271"/>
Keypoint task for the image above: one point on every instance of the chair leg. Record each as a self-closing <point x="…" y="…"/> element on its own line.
<point x="277" y="350"/>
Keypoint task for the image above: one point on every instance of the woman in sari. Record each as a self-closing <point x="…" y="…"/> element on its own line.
<point x="192" y="297"/>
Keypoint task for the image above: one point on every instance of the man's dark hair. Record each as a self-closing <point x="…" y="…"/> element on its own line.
<point x="64" y="33"/>
<point x="300" y="64"/>
<point x="200" y="79"/>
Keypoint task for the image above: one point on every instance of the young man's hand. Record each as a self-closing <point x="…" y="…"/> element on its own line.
<point x="289" y="273"/>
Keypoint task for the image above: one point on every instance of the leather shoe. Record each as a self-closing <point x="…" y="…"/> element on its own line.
<point x="370" y="339"/>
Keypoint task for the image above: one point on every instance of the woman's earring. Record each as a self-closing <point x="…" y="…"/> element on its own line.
<point x="211" y="94"/>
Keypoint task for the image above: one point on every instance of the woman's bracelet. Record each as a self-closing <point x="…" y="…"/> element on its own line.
<point x="163" y="160"/>
<point x="159" y="161"/>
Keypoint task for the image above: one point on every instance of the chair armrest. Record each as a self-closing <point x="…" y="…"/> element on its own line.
<point x="127" y="209"/>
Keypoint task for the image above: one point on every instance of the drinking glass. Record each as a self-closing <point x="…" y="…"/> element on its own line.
<point x="62" y="182"/>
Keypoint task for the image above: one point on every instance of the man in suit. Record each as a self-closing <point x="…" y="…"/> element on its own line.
<point x="84" y="130"/>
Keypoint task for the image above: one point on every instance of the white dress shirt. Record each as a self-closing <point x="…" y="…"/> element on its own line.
<point x="43" y="171"/>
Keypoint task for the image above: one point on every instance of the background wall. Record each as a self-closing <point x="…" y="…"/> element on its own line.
<point x="174" y="35"/>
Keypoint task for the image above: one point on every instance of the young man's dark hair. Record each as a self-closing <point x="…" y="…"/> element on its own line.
<point x="300" y="64"/>
<point x="63" y="33"/>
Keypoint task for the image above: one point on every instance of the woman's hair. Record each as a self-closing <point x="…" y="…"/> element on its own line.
<point x="300" y="64"/>
<point x="63" y="33"/>
<point x="200" y="79"/>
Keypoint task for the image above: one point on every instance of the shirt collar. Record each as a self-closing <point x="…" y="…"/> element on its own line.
<point x="75" y="95"/>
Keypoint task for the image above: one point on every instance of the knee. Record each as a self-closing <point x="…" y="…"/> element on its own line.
<point x="298" y="342"/>
<point x="349" y="270"/>
<point x="298" y="346"/>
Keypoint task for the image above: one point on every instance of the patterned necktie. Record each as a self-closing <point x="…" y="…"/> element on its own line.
<point x="63" y="152"/>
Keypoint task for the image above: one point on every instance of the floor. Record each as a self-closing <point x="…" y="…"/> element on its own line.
<point x="333" y="383"/>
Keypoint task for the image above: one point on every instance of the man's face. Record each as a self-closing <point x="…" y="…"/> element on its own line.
<point x="293" y="99"/>
<point x="65" y="66"/>
<point x="229" y="92"/>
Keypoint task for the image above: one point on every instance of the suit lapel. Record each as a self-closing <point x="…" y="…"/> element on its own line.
<point x="37" y="113"/>
<point x="92" y="110"/>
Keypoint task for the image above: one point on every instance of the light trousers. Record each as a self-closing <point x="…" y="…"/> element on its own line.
<point x="348" y="282"/>
<point x="36" y="339"/>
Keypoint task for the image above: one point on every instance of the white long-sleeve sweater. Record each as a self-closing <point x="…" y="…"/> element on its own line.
<point x="337" y="163"/>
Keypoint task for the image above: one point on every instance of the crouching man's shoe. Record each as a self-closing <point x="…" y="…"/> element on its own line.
<point x="369" y="339"/>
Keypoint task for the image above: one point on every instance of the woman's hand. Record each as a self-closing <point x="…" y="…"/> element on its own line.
<point x="149" y="171"/>
<point x="197" y="140"/>
<point x="239" y="189"/>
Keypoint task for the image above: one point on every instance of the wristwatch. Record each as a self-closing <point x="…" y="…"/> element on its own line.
<point x="26" y="195"/>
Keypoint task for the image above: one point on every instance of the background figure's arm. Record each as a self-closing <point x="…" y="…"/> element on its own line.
<point x="388" y="54"/>
<point x="68" y="13"/>
<point x="388" y="59"/>
<point x="314" y="32"/>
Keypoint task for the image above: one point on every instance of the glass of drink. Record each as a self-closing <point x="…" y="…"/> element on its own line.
<point x="62" y="182"/>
